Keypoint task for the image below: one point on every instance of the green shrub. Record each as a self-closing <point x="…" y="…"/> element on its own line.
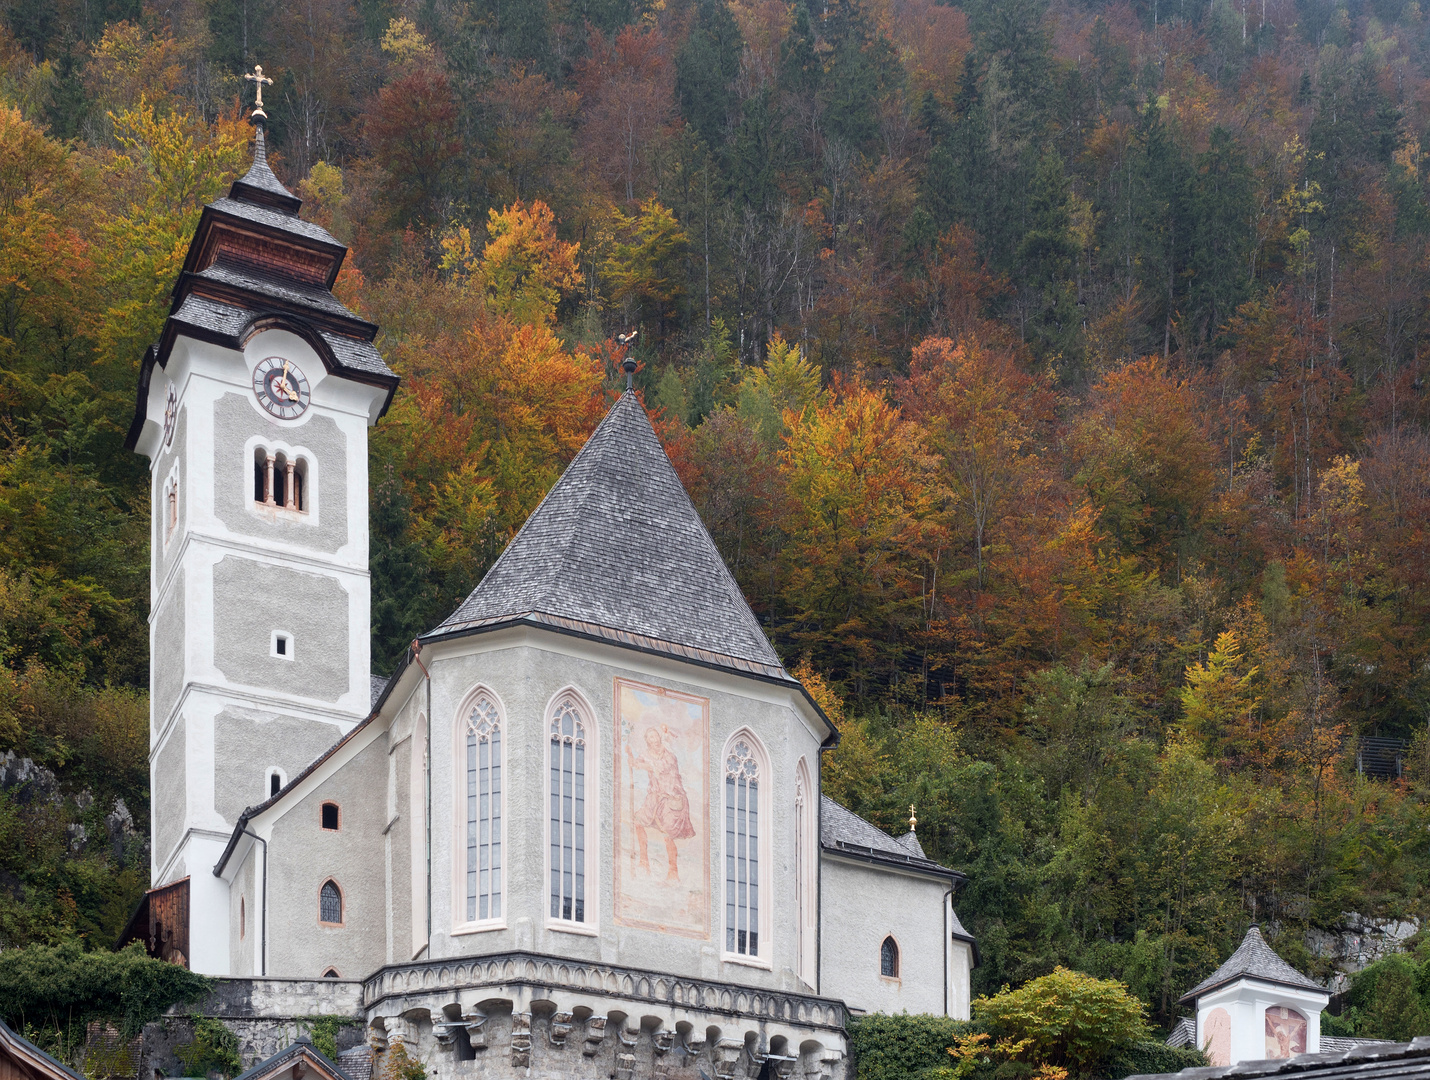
<point x="888" y="1047"/>
<point x="323" y="1030"/>
<point x="214" y="1049"/>
<point x="1066" y="1019"/>
<point x="52" y="992"/>
<point x="1150" y="1056"/>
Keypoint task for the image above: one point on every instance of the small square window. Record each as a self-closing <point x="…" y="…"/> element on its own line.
<point x="330" y="816"/>
<point x="282" y="645"/>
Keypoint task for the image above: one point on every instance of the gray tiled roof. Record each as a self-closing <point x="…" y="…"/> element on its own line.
<point x="842" y="829"/>
<point x="1184" y="1033"/>
<point x="1364" y="1061"/>
<point x="264" y="215"/>
<point x="379" y="684"/>
<point x="260" y="184"/>
<point x="617" y="545"/>
<point x="315" y="297"/>
<point x="1253" y="959"/>
<point x="229" y="320"/>
<point x="910" y="843"/>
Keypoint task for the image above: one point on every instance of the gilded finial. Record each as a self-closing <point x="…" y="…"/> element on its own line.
<point x="260" y="81"/>
<point x="913" y="821"/>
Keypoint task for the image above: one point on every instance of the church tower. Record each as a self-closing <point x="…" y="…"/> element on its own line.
<point x="253" y="409"/>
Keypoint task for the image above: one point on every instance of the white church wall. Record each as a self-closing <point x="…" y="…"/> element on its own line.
<point x="167" y="643"/>
<point x="527" y="670"/>
<point x="169" y="779"/>
<point x="303" y="855"/>
<point x="169" y="466"/>
<point x="960" y="981"/>
<point x="863" y="904"/>
<point x="244" y="916"/>
<point x="1240" y="1032"/>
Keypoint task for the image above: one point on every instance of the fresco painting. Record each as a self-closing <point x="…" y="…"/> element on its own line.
<point x="1285" y="1032"/>
<point x="662" y="835"/>
<point x="1216" y="1037"/>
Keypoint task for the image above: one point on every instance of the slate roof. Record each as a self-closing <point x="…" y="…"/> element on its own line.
<point x="1365" y="1061"/>
<point x="379" y="684"/>
<point x="616" y="550"/>
<point x="844" y="831"/>
<point x="303" y="1049"/>
<point x="1253" y="959"/>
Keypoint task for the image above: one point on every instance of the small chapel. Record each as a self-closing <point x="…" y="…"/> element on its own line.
<point x="579" y="830"/>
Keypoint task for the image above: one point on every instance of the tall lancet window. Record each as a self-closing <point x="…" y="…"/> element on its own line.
<point x="568" y="798"/>
<point x="743" y="760"/>
<point x="804" y="872"/>
<point x="484" y="811"/>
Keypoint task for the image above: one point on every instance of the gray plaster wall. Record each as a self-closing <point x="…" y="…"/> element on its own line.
<point x="863" y="903"/>
<point x="258" y="598"/>
<point x="168" y="782"/>
<point x="400" y="851"/>
<point x="526" y="679"/>
<point x="248" y="742"/>
<point x="302" y="855"/>
<point x="167" y="550"/>
<point x="166" y="653"/>
<point x="235" y="421"/>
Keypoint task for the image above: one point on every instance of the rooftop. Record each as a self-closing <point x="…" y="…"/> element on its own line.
<point x="617" y="551"/>
<point x="1364" y="1061"/>
<point x="1254" y="959"/>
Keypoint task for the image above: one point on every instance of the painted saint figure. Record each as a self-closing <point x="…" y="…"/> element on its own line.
<point x="666" y="807"/>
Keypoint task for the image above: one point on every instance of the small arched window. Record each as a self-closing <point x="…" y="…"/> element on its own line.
<point x="330" y="904"/>
<point x="331" y="973"/>
<point x="328" y="815"/>
<point x="889" y="958"/>
<point x="171" y="508"/>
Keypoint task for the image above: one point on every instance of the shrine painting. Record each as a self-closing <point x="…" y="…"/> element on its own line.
<point x="662" y="827"/>
<point x="1216" y="1038"/>
<point x="1285" y="1032"/>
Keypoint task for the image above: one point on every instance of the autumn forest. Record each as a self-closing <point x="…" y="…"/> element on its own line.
<point x="1050" y="373"/>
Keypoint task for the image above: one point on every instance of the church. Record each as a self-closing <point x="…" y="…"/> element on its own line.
<point x="579" y="829"/>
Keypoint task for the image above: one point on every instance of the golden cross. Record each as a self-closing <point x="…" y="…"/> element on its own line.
<point x="913" y="821"/>
<point x="258" y="78"/>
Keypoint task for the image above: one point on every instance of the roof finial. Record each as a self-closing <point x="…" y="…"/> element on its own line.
<point x="260" y="81"/>
<point x="913" y="821"/>
<point x="628" y="365"/>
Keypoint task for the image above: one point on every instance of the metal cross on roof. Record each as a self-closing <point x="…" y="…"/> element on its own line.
<point x="260" y="80"/>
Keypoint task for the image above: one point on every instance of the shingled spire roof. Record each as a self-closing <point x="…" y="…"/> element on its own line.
<point x="617" y="551"/>
<point x="1253" y="959"/>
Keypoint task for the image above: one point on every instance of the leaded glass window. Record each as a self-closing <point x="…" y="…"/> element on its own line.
<point x="484" y="811"/>
<point x="742" y="850"/>
<point x="568" y="813"/>
<point x="330" y="903"/>
<point x="889" y="958"/>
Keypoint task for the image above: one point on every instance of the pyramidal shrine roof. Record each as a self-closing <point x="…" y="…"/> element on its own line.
<point x="1253" y="959"/>
<point x="617" y="551"/>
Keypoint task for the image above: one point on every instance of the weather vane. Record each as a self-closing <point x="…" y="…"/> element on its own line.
<point x="260" y="81"/>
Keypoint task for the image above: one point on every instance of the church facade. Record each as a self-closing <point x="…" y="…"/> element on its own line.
<point x="580" y="827"/>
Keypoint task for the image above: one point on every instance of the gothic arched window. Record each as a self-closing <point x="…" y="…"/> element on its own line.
<point x="744" y="770"/>
<point x="483" y="775"/>
<point x="330" y="904"/>
<point x="569" y="799"/>
<point x="804" y="873"/>
<point x="889" y="958"/>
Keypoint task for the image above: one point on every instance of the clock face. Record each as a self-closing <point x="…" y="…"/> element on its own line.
<point x="171" y="414"/>
<point x="281" y="388"/>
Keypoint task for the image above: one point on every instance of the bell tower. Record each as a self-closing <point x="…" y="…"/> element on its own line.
<point x="253" y="409"/>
